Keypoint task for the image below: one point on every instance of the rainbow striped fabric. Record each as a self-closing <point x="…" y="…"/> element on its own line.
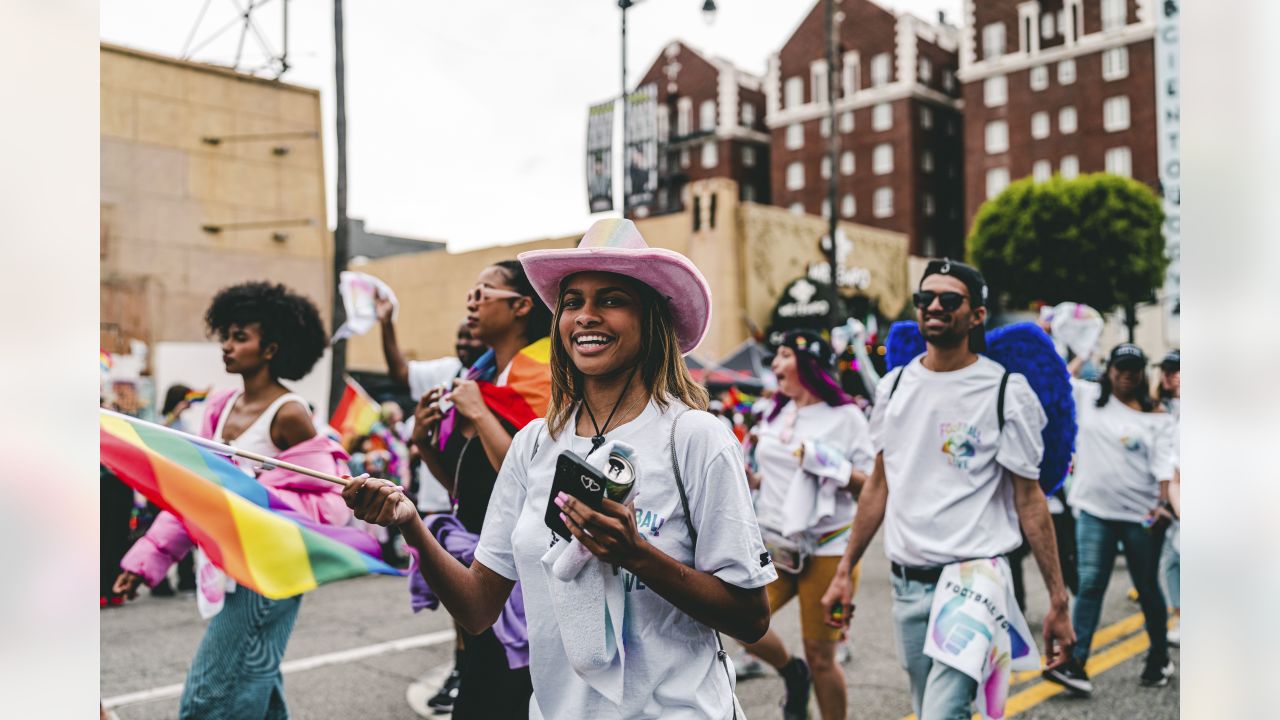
<point x="244" y="528"/>
<point x="524" y="397"/>
<point x="356" y="412"/>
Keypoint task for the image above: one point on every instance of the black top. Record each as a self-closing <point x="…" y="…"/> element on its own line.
<point x="473" y="476"/>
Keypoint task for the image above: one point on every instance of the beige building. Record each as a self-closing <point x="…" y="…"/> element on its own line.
<point x="209" y="178"/>
<point x="748" y="253"/>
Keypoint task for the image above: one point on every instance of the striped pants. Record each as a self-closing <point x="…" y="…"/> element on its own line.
<point x="236" y="670"/>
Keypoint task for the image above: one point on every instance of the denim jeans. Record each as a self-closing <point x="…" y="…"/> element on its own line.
<point x="938" y="691"/>
<point x="1096" y="553"/>
<point x="1171" y="564"/>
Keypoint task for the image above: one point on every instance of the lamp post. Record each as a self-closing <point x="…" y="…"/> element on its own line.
<point x="833" y="141"/>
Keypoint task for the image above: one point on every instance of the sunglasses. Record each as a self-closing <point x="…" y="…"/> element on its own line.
<point x="480" y="293"/>
<point x="949" y="301"/>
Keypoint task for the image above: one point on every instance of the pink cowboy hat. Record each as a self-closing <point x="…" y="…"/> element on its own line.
<point x="615" y="246"/>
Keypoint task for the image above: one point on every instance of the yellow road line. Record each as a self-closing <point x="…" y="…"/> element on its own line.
<point x="1105" y="636"/>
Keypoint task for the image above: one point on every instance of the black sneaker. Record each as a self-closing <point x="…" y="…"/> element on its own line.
<point x="162" y="589"/>
<point x="1072" y="676"/>
<point x="1157" y="671"/>
<point x="798" y="682"/>
<point x="443" y="701"/>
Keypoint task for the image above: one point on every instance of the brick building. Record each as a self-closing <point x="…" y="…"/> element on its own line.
<point x="1056" y="86"/>
<point x="898" y="123"/>
<point x="710" y="124"/>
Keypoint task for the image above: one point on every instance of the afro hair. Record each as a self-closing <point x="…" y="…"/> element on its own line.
<point x="286" y="318"/>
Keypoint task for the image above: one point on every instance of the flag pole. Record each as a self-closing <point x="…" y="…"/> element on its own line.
<point x="223" y="449"/>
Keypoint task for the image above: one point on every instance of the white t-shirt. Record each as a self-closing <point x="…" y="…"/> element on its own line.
<point x="426" y="374"/>
<point x="1122" y="454"/>
<point x="843" y="427"/>
<point x="947" y="462"/>
<point x="671" y="668"/>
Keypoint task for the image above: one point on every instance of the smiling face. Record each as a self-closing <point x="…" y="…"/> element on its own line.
<point x="242" y="350"/>
<point x="947" y="328"/>
<point x="784" y="369"/>
<point x="599" y="323"/>
<point x="496" y="311"/>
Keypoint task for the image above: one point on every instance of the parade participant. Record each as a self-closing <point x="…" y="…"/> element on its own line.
<point x="268" y="333"/>
<point x="959" y="445"/>
<point x="688" y="552"/>
<point x="1169" y="395"/>
<point x="1124" y="463"/>
<point x="812" y="413"/>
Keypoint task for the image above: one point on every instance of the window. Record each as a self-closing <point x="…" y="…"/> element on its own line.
<point x="880" y="70"/>
<point x="1120" y="162"/>
<point x="948" y="81"/>
<point x="882" y="203"/>
<point x="684" y="158"/>
<point x="992" y="41"/>
<point x="926" y="161"/>
<point x="848" y="206"/>
<point x="824" y="127"/>
<point x="710" y="154"/>
<point x="795" y="136"/>
<point x="1042" y="170"/>
<point x="795" y="176"/>
<point x="930" y="246"/>
<point x="846" y="121"/>
<point x="684" y="116"/>
<point x="664" y="123"/>
<point x="748" y="114"/>
<point x="926" y="117"/>
<point x="1039" y="78"/>
<point x="1067" y="120"/>
<point x="707" y="115"/>
<point x="882" y="117"/>
<point x="851" y="74"/>
<point x="825" y="167"/>
<point x="929" y="207"/>
<point x="1066" y="72"/>
<point x="882" y="159"/>
<point x="1115" y="63"/>
<point x="1115" y="113"/>
<point x="748" y="156"/>
<point x="1113" y="14"/>
<point x="995" y="91"/>
<point x="925" y="70"/>
<point x="1040" y="125"/>
<point x="797" y="208"/>
<point x="826" y="207"/>
<point x="997" y="137"/>
<point x="818" y="80"/>
<point x="748" y="193"/>
<point x="846" y="162"/>
<point x="1046" y="26"/>
<point x="997" y="181"/>
<point x="951" y="126"/>
<point x="1069" y="167"/>
<point x="794" y="92"/>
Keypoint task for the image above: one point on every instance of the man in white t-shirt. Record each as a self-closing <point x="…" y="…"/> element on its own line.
<point x="958" y="448"/>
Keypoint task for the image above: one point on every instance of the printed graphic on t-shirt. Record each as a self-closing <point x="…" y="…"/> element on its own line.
<point x="1131" y="443"/>
<point x="959" y="443"/>
<point x="647" y="521"/>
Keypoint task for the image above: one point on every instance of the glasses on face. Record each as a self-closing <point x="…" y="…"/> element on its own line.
<point x="481" y="293"/>
<point x="949" y="301"/>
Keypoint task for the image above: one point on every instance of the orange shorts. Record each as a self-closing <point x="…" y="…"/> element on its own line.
<point x="810" y="584"/>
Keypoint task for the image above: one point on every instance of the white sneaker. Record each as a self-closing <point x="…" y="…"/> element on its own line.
<point x="749" y="667"/>
<point x="843" y="653"/>
<point x="1175" y="635"/>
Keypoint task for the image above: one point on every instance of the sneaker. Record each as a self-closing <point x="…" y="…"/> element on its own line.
<point x="843" y="653"/>
<point x="443" y="700"/>
<point x="1175" y="635"/>
<point x="1072" y="676"/>
<point x="797" y="680"/>
<point x="162" y="589"/>
<point x="749" y="667"/>
<point x="1157" y="671"/>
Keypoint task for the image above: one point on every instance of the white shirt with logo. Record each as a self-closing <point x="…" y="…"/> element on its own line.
<point x="1122" y="454"/>
<point x="947" y="462"/>
<point x="671" y="669"/>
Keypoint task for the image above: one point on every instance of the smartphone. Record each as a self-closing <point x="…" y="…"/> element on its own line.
<point x="573" y="477"/>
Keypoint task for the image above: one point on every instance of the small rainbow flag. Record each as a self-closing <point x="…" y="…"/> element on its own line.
<point x="195" y="396"/>
<point x="525" y="396"/>
<point x="245" y="529"/>
<point x="104" y="361"/>
<point x="356" y="412"/>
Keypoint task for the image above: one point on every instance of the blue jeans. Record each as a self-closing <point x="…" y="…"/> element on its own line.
<point x="938" y="691"/>
<point x="1171" y="563"/>
<point x="1096" y="554"/>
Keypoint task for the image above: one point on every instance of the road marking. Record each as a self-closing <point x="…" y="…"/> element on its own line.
<point x="1105" y="636"/>
<point x="302" y="664"/>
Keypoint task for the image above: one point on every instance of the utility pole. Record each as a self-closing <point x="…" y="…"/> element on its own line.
<point x="833" y="140"/>
<point x="341" y="250"/>
<point x="624" y="4"/>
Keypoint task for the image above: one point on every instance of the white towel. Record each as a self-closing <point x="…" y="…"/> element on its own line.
<point x="811" y="498"/>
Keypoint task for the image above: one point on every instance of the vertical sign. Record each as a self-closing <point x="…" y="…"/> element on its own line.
<point x="1167" y="137"/>
<point x="641" y="152"/>
<point x="600" y="157"/>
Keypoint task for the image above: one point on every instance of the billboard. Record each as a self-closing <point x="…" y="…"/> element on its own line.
<point x="641" y="152"/>
<point x="600" y="157"/>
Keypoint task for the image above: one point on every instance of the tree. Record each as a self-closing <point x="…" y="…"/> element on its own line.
<point x="1095" y="239"/>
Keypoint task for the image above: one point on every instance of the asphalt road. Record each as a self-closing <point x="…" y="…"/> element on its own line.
<point x="357" y="646"/>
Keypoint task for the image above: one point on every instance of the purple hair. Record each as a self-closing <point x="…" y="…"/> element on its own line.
<point x="816" y="379"/>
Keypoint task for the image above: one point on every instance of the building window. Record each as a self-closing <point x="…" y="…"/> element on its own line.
<point x="951" y="126"/>
<point x="795" y="136"/>
<point x="882" y="203"/>
<point x="818" y="80"/>
<point x="926" y="117"/>
<point x="664" y="123"/>
<point x="948" y="81"/>
<point x="1040" y="125"/>
<point x="1115" y="63"/>
<point x="684" y="116"/>
<point x="826" y="207"/>
<point x="846" y="162"/>
<point x="1069" y="167"/>
<point x="997" y="181"/>
<point x="1039" y="78"/>
<point x="684" y="158"/>
<point x="794" y="92"/>
<point x="824" y="127"/>
<point x="797" y="208"/>
<point x="1067" y="120"/>
<point x="707" y="115"/>
<point x="1113" y="14"/>
<point x="992" y="41"/>
<point x="825" y="167"/>
<point x="848" y="206"/>
<point x="851" y="74"/>
<point x="846" y="121"/>
<point x="1115" y="113"/>
<point x="997" y="137"/>
<point x="929" y="207"/>
<point x="795" y="176"/>
<point x="1067" y="72"/>
<point x="710" y="154"/>
<point x="995" y="91"/>
<point x="882" y="159"/>
<point x="925" y="70"/>
<point x="926" y="161"/>
<point x="748" y="193"/>
<point x="1046" y="26"/>
<point x="748" y="156"/>
<point x="1042" y="170"/>
<point x="882" y="117"/>
<point x="880" y="70"/>
<point x="748" y="114"/>
<point x="1119" y="162"/>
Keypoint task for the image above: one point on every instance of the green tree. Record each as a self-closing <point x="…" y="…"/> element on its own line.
<point x="1095" y="239"/>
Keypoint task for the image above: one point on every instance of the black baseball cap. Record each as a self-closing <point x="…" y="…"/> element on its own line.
<point x="811" y="343"/>
<point x="1127" y="355"/>
<point x="1172" y="361"/>
<point x="973" y="282"/>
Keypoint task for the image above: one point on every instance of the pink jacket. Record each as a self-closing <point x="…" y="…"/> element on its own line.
<point x="167" y="541"/>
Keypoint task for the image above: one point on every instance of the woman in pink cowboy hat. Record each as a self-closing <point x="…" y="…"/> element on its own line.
<point x="624" y="618"/>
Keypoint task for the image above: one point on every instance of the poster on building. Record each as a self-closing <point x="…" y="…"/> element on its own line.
<point x="600" y="157"/>
<point x="808" y="305"/>
<point x="641" y="152"/>
<point x="1168" y="111"/>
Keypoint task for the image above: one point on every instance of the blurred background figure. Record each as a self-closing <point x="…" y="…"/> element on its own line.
<point x="1169" y="396"/>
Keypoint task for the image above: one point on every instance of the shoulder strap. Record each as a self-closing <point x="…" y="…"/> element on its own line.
<point x="1004" y="382"/>
<point x="897" y="380"/>
<point x="537" y="440"/>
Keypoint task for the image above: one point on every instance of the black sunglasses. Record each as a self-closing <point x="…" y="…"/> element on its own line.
<point x="948" y="300"/>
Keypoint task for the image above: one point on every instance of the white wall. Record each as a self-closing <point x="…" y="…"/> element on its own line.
<point x="199" y="365"/>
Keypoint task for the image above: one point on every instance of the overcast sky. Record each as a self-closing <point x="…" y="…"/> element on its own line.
<point x="466" y="121"/>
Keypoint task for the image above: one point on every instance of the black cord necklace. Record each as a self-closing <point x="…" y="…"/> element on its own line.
<point x="598" y="439"/>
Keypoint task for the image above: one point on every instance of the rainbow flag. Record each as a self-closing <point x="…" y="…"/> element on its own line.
<point x="244" y="528"/>
<point x="195" y="396"/>
<point x="104" y="361"/>
<point x="741" y="401"/>
<point x="356" y="412"/>
<point x="524" y="397"/>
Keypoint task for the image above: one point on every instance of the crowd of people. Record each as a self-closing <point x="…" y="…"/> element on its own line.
<point x="726" y="512"/>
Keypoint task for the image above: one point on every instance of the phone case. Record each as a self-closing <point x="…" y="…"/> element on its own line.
<point x="574" y="477"/>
